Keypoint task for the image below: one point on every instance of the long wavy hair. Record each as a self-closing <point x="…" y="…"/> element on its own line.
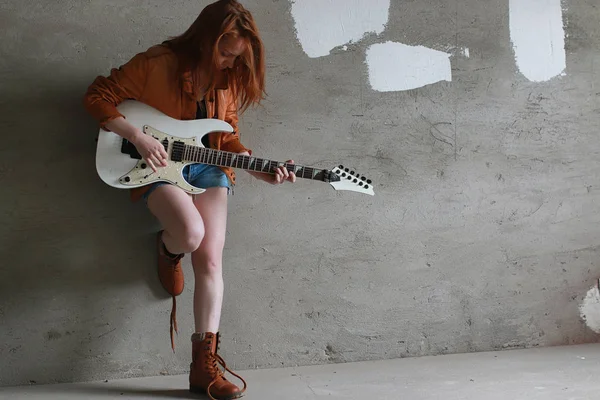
<point x="198" y="47"/>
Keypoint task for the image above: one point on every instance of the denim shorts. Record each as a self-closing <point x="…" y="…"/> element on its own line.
<point x="200" y="175"/>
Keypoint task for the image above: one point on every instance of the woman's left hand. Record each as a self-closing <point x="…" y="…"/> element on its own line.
<point x="281" y="173"/>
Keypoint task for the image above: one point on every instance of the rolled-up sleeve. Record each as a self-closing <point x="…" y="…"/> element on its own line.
<point x="106" y="93"/>
<point x="231" y="141"/>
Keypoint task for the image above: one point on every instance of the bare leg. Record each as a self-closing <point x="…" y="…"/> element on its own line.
<point x="181" y="221"/>
<point x="207" y="260"/>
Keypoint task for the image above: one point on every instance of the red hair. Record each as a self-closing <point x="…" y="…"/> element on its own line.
<point x="198" y="47"/>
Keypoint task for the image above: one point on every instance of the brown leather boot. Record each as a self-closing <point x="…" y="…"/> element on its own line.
<point x="205" y="374"/>
<point x="171" y="278"/>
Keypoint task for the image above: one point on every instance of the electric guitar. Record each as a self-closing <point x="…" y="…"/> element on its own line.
<point x="119" y="164"/>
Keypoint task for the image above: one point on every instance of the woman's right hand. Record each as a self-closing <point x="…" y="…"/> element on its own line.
<point x="151" y="150"/>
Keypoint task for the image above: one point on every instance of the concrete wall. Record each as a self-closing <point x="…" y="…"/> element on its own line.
<point x="484" y="232"/>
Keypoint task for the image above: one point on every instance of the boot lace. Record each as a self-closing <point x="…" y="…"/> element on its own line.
<point x="213" y="362"/>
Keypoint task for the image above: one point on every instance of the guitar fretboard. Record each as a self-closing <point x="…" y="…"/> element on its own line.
<point x="234" y="160"/>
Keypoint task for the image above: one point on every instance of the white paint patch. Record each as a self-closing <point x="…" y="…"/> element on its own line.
<point x="322" y="25"/>
<point x="466" y="52"/>
<point x="589" y="309"/>
<point x="538" y="37"/>
<point x="396" y="66"/>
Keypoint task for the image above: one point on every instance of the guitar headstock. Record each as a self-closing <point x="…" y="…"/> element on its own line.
<point x="342" y="178"/>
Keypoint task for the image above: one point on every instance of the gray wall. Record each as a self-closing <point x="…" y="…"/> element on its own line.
<point x="486" y="242"/>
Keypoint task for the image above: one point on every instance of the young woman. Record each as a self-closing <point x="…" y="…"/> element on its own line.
<point x="212" y="70"/>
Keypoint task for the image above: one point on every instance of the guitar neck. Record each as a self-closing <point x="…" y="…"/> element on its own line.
<point x="234" y="160"/>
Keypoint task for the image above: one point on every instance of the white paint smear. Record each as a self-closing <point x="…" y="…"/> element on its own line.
<point x="396" y="66"/>
<point x="322" y="25"/>
<point x="589" y="309"/>
<point x="538" y="37"/>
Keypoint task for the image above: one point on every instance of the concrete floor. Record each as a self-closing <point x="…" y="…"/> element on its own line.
<point x="557" y="373"/>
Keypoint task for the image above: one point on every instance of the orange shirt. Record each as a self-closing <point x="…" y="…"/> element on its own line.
<point x="152" y="78"/>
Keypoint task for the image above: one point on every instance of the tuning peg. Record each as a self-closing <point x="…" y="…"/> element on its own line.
<point x="341" y="167"/>
<point x="364" y="178"/>
<point x="368" y="181"/>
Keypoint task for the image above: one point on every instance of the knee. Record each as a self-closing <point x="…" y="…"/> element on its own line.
<point x="191" y="238"/>
<point x="207" y="261"/>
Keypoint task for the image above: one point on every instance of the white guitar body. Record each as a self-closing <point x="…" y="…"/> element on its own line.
<point x="119" y="164"/>
<point x="124" y="172"/>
